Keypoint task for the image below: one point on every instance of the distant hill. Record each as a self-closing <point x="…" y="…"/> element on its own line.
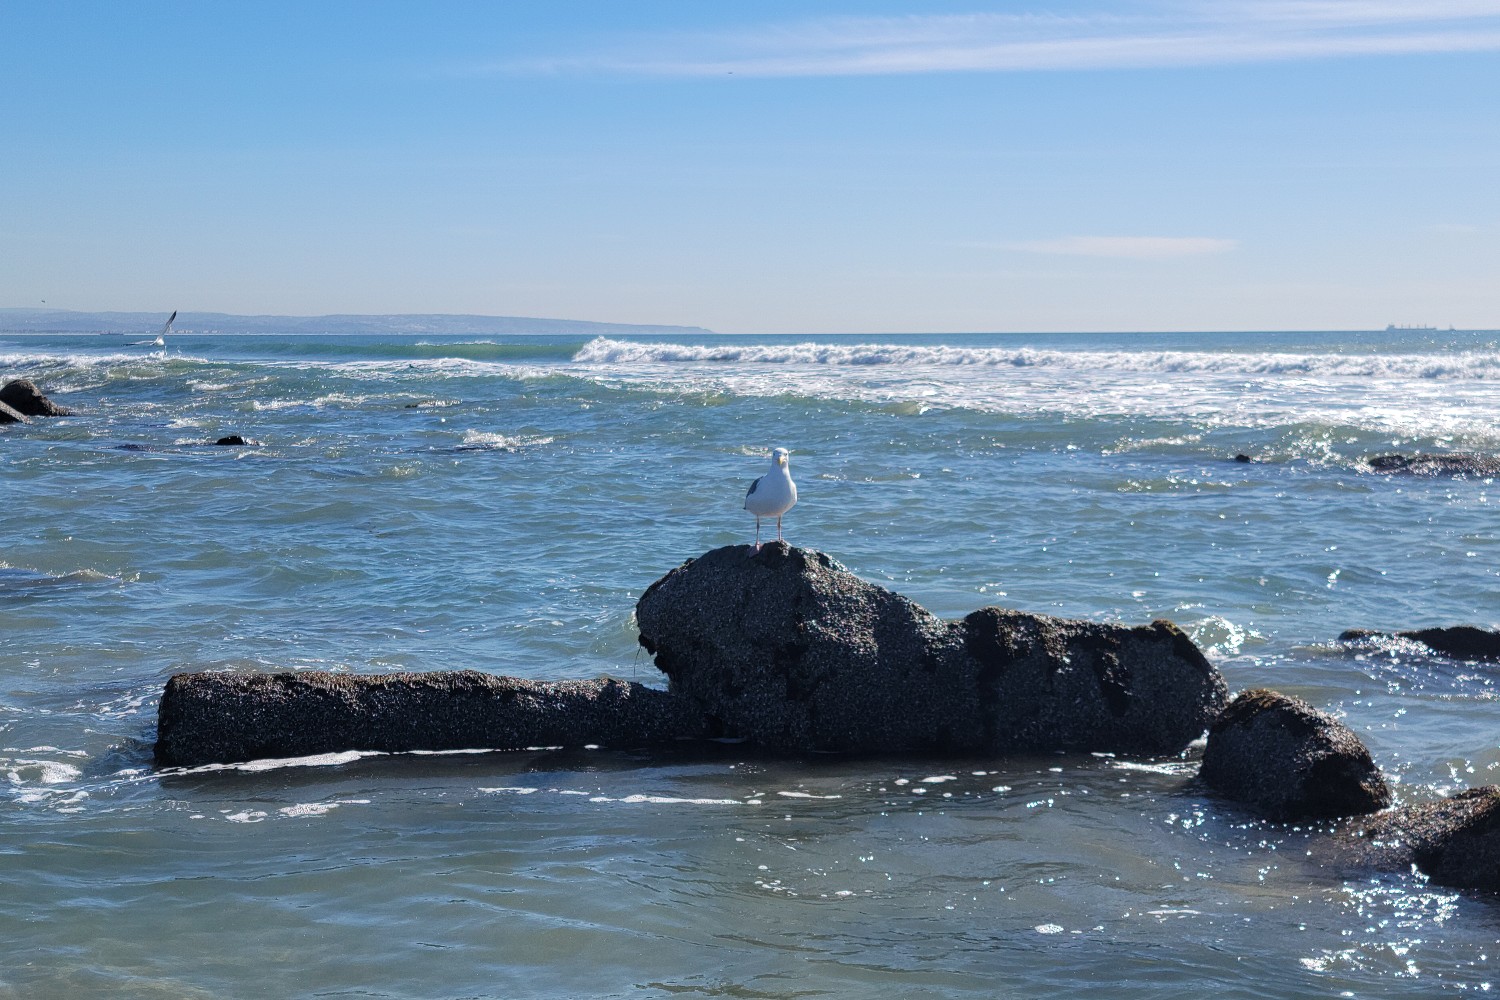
<point x="440" y="324"/>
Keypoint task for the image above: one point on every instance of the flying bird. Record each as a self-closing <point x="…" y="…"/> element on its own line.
<point x="161" y="338"/>
<point x="773" y="494"/>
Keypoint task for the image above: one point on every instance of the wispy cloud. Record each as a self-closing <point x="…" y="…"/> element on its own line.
<point x="1146" y="33"/>
<point x="1138" y="247"/>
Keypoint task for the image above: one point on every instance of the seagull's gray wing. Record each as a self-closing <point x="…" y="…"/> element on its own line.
<point x="752" y="488"/>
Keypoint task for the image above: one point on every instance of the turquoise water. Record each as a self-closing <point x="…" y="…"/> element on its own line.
<point x="433" y="503"/>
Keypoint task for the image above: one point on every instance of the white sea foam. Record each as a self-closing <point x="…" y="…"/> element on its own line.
<point x="1461" y="365"/>
<point x="43" y="782"/>
<point x="246" y="816"/>
<point x="127" y="704"/>
<point x="39" y="772"/>
<point x="308" y="809"/>
<point x="667" y="800"/>
<point x="806" y="795"/>
<point x="341" y="399"/>
<point x="1216" y="634"/>
<point x="72" y="360"/>
<point x="452" y="753"/>
<point x="277" y="763"/>
<point x="47" y="749"/>
<point x="1404" y="395"/>
<point x="635" y="799"/>
<point x="1170" y="767"/>
<point x="386" y="370"/>
<point x="315" y="760"/>
<point x="488" y="440"/>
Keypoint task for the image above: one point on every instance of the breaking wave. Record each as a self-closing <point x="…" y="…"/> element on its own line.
<point x="1459" y="365"/>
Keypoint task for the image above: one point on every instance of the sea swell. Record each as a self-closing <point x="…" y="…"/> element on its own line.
<point x="1474" y="364"/>
<point x="1314" y="399"/>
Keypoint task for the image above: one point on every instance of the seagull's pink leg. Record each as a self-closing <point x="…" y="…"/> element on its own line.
<point x="757" y="534"/>
<point x="778" y="527"/>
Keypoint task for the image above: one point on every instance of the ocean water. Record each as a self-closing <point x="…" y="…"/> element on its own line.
<point x="420" y="503"/>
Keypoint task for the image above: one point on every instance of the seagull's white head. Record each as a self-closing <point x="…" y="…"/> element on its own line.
<point x="779" y="456"/>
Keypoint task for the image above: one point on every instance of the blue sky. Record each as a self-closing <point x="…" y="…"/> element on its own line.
<point x="766" y="167"/>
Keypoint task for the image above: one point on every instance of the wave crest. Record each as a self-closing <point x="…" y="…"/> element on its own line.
<point x="1462" y="365"/>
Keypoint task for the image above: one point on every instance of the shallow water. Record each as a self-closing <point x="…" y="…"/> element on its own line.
<point x="432" y="503"/>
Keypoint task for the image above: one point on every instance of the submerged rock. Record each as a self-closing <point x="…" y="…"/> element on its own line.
<point x="1456" y="463"/>
<point x="208" y="718"/>
<point x="1463" y="642"/>
<point x="1454" y="841"/>
<point x="10" y="415"/>
<point x="25" y="398"/>
<point x="231" y="440"/>
<point x="790" y="650"/>
<point x="1289" y="761"/>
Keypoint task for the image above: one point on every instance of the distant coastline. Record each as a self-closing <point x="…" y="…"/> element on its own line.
<point x="437" y="324"/>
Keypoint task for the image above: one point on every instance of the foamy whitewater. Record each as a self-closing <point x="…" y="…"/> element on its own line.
<point x="422" y="503"/>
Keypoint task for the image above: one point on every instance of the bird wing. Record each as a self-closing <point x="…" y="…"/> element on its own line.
<point x="752" y="488"/>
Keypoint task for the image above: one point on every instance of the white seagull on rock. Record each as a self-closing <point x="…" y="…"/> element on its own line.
<point x="773" y="494"/>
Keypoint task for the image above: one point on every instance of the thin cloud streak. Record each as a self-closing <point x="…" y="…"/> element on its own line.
<point x="1133" y="247"/>
<point x="1147" y="35"/>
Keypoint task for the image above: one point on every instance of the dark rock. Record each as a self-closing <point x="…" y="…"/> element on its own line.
<point x="788" y="649"/>
<point x="1290" y="761"/>
<point x="226" y="717"/>
<point x="1451" y="464"/>
<point x="1454" y="841"/>
<point x="23" y="396"/>
<point x="1463" y="642"/>
<point x="231" y="439"/>
<point x="782" y="646"/>
<point x="1242" y="458"/>
<point x="10" y="415"/>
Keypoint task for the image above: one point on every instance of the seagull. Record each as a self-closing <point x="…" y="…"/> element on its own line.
<point x="773" y="494"/>
<point x="161" y="338"/>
